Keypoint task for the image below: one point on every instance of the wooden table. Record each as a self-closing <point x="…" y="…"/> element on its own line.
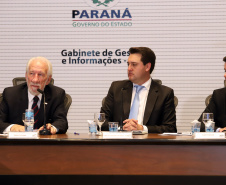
<point x="150" y="157"/>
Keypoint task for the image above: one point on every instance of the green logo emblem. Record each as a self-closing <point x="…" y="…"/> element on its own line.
<point x="99" y="3"/>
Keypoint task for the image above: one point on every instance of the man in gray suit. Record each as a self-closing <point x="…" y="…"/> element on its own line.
<point x="18" y="98"/>
<point x="155" y="110"/>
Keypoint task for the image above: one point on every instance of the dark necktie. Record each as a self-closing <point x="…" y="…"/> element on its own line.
<point x="36" y="110"/>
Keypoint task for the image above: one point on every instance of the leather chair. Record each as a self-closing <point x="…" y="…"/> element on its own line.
<point x="208" y="98"/>
<point x="1" y="97"/>
<point x="20" y="80"/>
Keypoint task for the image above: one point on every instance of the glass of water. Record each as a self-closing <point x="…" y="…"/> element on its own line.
<point x="208" y="121"/>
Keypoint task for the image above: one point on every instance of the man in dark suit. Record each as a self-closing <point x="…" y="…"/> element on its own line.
<point x="217" y="106"/>
<point x="156" y="110"/>
<point x="18" y="98"/>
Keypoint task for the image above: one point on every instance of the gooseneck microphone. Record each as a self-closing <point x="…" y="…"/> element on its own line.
<point x="44" y="131"/>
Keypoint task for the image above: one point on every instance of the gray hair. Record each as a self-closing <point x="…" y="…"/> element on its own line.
<point x="49" y="72"/>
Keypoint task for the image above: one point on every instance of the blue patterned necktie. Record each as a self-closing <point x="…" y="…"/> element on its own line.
<point x="135" y="106"/>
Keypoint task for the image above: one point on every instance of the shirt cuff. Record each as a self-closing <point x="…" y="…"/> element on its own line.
<point x="7" y="130"/>
<point x="145" y="128"/>
<point x="218" y="130"/>
<point x="55" y="128"/>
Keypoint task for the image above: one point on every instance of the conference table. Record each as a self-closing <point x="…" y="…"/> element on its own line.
<point x="90" y="158"/>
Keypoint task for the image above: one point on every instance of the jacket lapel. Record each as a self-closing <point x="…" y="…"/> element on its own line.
<point x="127" y="95"/>
<point x="151" y="100"/>
<point x="24" y="99"/>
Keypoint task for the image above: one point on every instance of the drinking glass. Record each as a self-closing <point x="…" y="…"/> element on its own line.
<point x="207" y="118"/>
<point x="100" y="119"/>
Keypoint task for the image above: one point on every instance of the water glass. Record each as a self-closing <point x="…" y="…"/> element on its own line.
<point x="99" y="119"/>
<point x="195" y="127"/>
<point x="113" y="126"/>
<point x="209" y="126"/>
<point x="92" y="126"/>
<point x="208" y="121"/>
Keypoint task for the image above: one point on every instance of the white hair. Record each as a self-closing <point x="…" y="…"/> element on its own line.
<point x="43" y="59"/>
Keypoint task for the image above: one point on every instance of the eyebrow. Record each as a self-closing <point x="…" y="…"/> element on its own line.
<point x="132" y="62"/>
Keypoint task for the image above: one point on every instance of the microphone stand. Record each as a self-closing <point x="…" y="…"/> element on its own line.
<point x="44" y="131"/>
<point x="122" y="115"/>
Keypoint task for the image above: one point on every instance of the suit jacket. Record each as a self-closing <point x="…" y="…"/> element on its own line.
<point x="159" y="115"/>
<point x="15" y="101"/>
<point x="217" y="106"/>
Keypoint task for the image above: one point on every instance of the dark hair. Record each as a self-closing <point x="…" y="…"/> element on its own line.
<point x="224" y="59"/>
<point x="147" y="55"/>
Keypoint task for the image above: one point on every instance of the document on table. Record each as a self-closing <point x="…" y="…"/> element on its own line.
<point x="177" y="134"/>
<point x="4" y="134"/>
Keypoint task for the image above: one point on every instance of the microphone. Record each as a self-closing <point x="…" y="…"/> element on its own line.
<point x="44" y="131"/>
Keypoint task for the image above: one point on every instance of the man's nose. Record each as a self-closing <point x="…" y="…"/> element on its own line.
<point x="35" y="79"/>
<point x="129" y="67"/>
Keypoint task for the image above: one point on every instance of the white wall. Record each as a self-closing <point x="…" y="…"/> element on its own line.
<point x="188" y="37"/>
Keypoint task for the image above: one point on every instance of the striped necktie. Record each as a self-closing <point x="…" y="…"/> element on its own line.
<point x="36" y="110"/>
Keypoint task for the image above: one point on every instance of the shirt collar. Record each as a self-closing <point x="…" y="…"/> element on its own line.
<point x="31" y="96"/>
<point x="147" y="84"/>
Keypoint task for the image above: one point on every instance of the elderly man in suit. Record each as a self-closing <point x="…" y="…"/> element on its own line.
<point x="140" y="102"/>
<point x="21" y="97"/>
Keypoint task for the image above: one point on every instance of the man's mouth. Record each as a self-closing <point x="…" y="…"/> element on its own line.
<point x="35" y="85"/>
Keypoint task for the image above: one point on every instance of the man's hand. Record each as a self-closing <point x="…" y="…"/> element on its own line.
<point x="222" y="129"/>
<point x="17" y="128"/>
<point x="49" y="127"/>
<point x="132" y="124"/>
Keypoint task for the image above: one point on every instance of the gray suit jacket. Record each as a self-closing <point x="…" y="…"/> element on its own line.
<point x="15" y="101"/>
<point x="159" y="115"/>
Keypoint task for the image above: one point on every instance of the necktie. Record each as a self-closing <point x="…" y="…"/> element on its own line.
<point x="36" y="110"/>
<point x="135" y="106"/>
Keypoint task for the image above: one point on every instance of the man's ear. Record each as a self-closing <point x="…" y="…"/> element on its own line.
<point x="148" y="66"/>
<point x="49" y="79"/>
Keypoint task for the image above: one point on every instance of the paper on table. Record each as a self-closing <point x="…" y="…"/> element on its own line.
<point x="177" y="134"/>
<point x="139" y="132"/>
<point x="4" y="134"/>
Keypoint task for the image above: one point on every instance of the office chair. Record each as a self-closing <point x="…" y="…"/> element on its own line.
<point x="1" y="97"/>
<point x="20" y="80"/>
<point x="208" y="98"/>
